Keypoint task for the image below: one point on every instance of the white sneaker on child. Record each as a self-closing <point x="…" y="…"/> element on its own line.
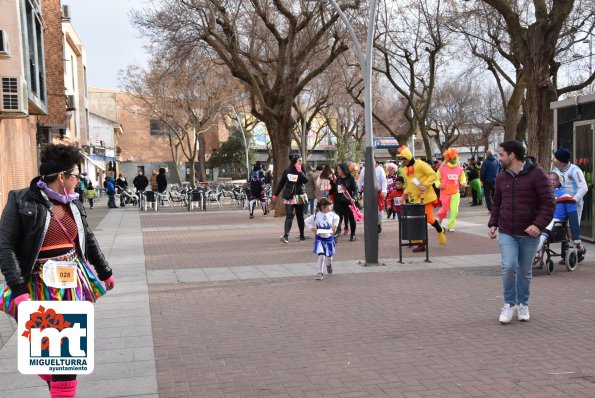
<point x="319" y="276"/>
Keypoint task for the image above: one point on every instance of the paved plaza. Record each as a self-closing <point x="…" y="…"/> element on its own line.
<point x="211" y="304"/>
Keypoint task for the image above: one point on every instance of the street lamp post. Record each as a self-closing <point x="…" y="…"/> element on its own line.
<point x="590" y="60"/>
<point x="245" y="142"/>
<point x="370" y="189"/>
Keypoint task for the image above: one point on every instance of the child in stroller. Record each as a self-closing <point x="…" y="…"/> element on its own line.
<point x="126" y="196"/>
<point x="557" y="231"/>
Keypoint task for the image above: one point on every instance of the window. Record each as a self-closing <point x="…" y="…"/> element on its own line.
<point x="34" y="54"/>
<point x="158" y="127"/>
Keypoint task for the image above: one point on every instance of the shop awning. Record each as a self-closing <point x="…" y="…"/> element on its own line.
<point x="92" y="161"/>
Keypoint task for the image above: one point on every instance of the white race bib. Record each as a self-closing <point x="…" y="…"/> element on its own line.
<point x="416" y="181"/>
<point x="324" y="233"/>
<point x="453" y="177"/>
<point x="398" y="200"/>
<point x="339" y="188"/>
<point x="60" y="274"/>
<point x="292" y="177"/>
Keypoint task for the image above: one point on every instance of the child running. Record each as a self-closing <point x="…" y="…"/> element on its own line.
<point x="324" y="224"/>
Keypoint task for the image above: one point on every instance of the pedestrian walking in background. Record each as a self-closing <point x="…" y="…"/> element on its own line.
<point x="110" y="189"/>
<point x="46" y="224"/>
<point x="324" y="225"/>
<point x="140" y="182"/>
<point x="91" y="194"/>
<point x="487" y="174"/>
<point x="256" y="193"/>
<point x="420" y="179"/>
<point x="310" y="190"/>
<point x="324" y="186"/>
<point x="161" y="181"/>
<point x="391" y="184"/>
<point x="292" y="184"/>
<point x="474" y="182"/>
<point x="82" y="187"/>
<point x="154" y="184"/>
<point x="574" y="179"/>
<point x="381" y="188"/>
<point x="315" y="177"/>
<point x="394" y="200"/>
<point x="449" y="180"/>
<point x="523" y="207"/>
<point x="344" y="189"/>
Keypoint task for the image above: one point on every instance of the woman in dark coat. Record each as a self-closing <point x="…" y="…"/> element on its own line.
<point x="294" y="197"/>
<point x="344" y="182"/>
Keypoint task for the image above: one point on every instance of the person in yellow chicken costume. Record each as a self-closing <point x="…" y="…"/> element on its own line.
<point x="420" y="177"/>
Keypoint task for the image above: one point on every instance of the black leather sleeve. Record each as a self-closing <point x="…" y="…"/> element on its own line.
<point x="10" y="234"/>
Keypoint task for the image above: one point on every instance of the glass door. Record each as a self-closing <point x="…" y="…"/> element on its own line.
<point x="583" y="158"/>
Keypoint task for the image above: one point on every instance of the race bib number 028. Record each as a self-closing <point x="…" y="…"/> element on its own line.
<point x="60" y="274"/>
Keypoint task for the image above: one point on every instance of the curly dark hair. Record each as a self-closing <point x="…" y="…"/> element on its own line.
<point x="56" y="158"/>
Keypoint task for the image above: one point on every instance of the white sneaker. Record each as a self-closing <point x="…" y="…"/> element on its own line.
<point x="523" y="313"/>
<point x="507" y="313"/>
<point x="319" y="276"/>
<point x="451" y="229"/>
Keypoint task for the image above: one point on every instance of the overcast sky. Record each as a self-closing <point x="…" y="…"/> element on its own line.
<point x="111" y="42"/>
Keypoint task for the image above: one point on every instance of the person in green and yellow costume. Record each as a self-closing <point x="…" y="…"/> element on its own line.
<point x="420" y="177"/>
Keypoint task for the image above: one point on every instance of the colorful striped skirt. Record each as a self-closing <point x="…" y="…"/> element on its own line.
<point x="297" y="200"/>
<point x="88" y="288"/>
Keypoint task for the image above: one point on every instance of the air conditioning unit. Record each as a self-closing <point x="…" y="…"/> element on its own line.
<point x="65" y="11"/>
<point x="4" y="44"/>
<point x="70" y="102"/>
<point x="14" y="97"/>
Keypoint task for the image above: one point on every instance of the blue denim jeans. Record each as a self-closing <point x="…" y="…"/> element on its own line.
<point x="517" y="253"/>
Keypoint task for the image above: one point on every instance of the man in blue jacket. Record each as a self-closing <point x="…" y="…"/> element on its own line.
<point x="489" y="170"/>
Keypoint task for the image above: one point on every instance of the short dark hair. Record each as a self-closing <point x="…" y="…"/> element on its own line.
<point x="258" y="165"/>
<point x="515" y="147"/>
<point x="400" y="179"/>
<point x="56" y="158"/>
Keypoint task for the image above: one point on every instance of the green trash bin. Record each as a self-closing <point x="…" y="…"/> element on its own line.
<point x="413" y="221"/>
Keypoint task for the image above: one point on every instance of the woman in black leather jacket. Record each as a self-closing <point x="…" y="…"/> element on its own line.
<point x="292" y="184"/>
<point x="47" y="222"/>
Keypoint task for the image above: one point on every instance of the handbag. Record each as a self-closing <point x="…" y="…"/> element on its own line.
<point x="357" y="214"/>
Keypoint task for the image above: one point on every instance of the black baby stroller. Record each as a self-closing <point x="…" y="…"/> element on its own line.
<point x="570" y="254"/>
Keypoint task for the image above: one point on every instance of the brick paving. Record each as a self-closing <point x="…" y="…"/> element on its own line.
<point x="427" y="332"/>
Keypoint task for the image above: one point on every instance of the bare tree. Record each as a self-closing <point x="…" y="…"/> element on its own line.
<point x="185" y="99"/>
<point x="410" y="41"/>
<point x="540" y="33"/>
<point x="455" y="105"/>
<point x="275" y="47"/>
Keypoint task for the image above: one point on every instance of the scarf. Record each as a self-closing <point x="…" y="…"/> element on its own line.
<point x="62" y="198"/>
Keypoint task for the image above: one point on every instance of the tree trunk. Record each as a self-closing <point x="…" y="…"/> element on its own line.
<point x="427" y="143"/>
<point x="281" y="145"/>
<point x="513" y="108"/>
<point x="192" y="167"/>
<point x="202" y="155"/>
<point x="175" y="157"/>
<point x="540" y="123"/>
<point x="540" y="92"/>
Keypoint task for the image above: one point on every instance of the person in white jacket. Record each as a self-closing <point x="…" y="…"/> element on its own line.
<point x="381" y="186"/>
<point x="574" y="179"/>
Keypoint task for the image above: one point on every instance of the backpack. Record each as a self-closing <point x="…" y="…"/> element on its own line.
<point x="83" y="185"/>
<point x="105" y="184"/>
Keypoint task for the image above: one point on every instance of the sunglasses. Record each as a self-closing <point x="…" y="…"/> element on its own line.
<point x="77" y="176"/>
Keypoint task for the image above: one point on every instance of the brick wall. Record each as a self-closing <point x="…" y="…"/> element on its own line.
<point x="54" y="62"/>
<point x="137" y="142"/>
